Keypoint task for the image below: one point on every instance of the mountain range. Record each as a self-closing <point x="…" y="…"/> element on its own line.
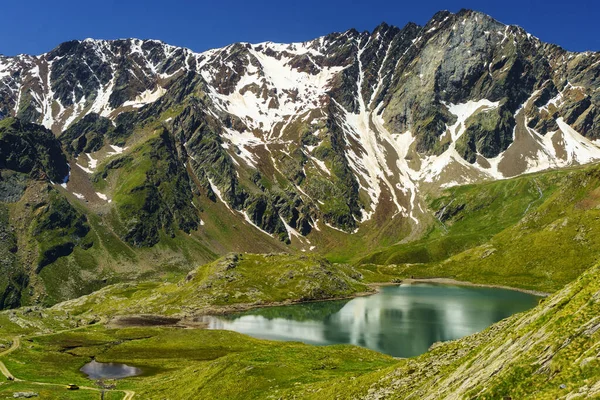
<point x="133" y="158"/>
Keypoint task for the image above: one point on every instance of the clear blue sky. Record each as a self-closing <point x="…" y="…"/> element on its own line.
<point x="37" y="26"/>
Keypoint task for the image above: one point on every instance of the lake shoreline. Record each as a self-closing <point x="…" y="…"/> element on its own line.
<point x="193" y="320"/>
<point x="450" y="281"/>
<point x="235" y="308"/>
<point x="374" y="287"/>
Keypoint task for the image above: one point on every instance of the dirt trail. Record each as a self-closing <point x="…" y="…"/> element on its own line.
<point x="128" y="394"/>
<point x="15" y="345"/>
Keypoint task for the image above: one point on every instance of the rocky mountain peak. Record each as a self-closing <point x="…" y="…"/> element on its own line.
<point x="339" y="129"/>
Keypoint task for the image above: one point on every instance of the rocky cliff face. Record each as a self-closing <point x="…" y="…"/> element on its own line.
<point x="37" y="224"/>
<point x="345" y="132"/>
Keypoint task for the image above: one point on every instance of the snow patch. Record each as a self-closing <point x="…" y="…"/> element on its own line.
<point x="101" y="102"/>
<point x="337" y="229"/>
<point x="290" y="231"/>
<point x="92" y="163"/>
<point x="243" y="141"/>
<point x="102" y="196"/>
<point x="248" y="220"/>
<point x="465" y="110"/>
<point x="146" y="97"/>
<point x="320" y="164"/>
<point x="117" y="149"/>
<point x="216" y="190"/>
<point x="579" y="149"/>
<point x="89" y="171"/>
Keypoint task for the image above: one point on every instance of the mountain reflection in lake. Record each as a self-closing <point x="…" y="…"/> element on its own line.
<point x="402" y="321"/>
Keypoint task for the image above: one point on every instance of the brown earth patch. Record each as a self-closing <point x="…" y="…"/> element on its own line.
<point x="558" y="142"/>
<point x="524" y="146"/>
<point x="79" y="182"/>
<point x="483" y="162"/>
<point x="454" y="172"/>
<point x="592" y="200"/>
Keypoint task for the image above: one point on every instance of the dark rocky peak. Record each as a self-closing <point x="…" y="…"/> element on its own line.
<point x="31" y="149"/>
<point x="77" y="71"/>
<point x="439" y="21"/>
<point x="340" y="38"/>
<point x="153" y="54"/>
<point x="226" y="68"/>
<point x="468" y="22"/>
<point x="385" y="31"/>
<point x="382" y="28"/>
<point x="440" y="16"/>
<point x="67" y="48"/>
<point x="480" y="23"/>
<point x="352" y="33"/>
<point x="236" y="50"/>
<point x="411" y="26"/>
<point x="371" y="59"/>
<point x="340" y="49"/>
<point x="97" y="75"/>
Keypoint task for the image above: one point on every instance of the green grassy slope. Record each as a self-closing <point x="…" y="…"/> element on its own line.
<point x="546" y="353"/>
<point x="467" y="216"/>
<point x="180" y="364"/>
<point x="538" y="232"/>
<point x="232" y="282"/>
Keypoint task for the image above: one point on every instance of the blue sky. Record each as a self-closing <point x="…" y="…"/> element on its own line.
<point x="37" y="26"/>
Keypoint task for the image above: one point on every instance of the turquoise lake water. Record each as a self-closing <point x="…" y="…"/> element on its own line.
<point x="402" y="321"/>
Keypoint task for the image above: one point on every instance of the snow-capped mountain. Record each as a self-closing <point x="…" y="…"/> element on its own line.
<point x="338" y="131"/>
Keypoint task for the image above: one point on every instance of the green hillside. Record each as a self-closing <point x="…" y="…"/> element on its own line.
<point x="538" y="232"/>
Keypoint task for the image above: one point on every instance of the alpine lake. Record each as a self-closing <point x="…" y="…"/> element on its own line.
<point x="402" y="321"/>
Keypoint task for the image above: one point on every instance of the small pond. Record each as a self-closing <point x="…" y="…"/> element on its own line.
<point x="97" y="370"/>
<point x="402" y="321"/>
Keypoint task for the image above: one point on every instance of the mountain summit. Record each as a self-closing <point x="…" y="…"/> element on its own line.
<point x="253" y="146"/>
